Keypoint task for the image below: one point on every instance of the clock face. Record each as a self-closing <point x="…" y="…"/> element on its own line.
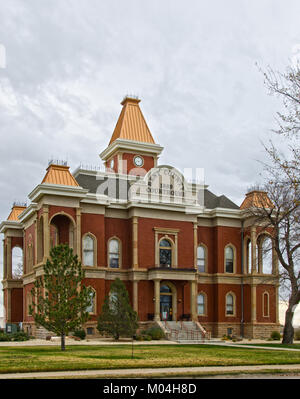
<point x="112" y="163"/>
<point x="138" y="161"/>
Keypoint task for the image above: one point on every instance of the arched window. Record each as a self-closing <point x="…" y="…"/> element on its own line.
<point x="17" y="263"/>
<point x="265" y="304"/>
<point x="266" y="258"/>
<point x="165" y="289"/>
<point x="229" y="258"/>
<point x="88" y="246"/>
<point x="201" y="259"/>
<point x="114" y="253"/>
<point x="92" y="306"/>
<point x="201" y="304"/>
<point x="229" y="305"/>
<point x="165" y="253"/>
<point x="54" y="239"/>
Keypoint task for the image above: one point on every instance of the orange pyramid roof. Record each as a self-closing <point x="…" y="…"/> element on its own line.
<point x="15" y="212"/>
<point x="131" y="124"/>
<point x="59" y="174"/>
<point x="257" y="199"/>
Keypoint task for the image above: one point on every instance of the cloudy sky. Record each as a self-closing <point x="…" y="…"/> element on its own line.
<point x="65" y="65"/>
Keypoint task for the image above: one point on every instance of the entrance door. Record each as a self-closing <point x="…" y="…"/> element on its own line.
<point x="166" y="307"/>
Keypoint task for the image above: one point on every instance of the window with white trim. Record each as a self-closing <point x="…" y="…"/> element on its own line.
<point x="88" y="250"/>
<point x="229" y="305"/>
<point x="201" y="304"/>
<point x="201" y="255"/>
<point x="114" y="253"/>
<point x="229" y="256"/>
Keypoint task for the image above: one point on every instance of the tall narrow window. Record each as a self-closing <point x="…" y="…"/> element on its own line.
<point x="229" y="304"/>
<point x="91" y="308"/>
<point x="165" y="253"/>
<point x="114" y="253"/>
<point x="229" y="260"/>
<point x="266" y="304"/>
<point x="17" y="262"/>
<point x="201" y="259"/>
<point x="201" y="304"/>
<point x="88" y="250"/>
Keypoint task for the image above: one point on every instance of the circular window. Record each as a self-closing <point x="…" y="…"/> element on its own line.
<point x="138" y="161"/>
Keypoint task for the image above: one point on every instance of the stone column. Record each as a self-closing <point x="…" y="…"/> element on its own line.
<point x="23" y="255"/>
<point x="274" y="262"/>
<point x="135" y="242"/>
<point x="277" y="302"/>
<point x="4" y="261"/>
<point x="260" y="256"/>
<point x="8" y="258"/>
<point x="46" y="229"/>
<point x="135" y="296"/>
<point x="193" y="300"/>
<point x="253" y="249"/>
<point x="195" y="244"/>
<point x="156" y="250"/>
<point x="120" y="164"/>
<point x="157" y="300"/>
<point x="176" y="252"/>
<point x="78" y="234"/>
<point x="35" y="241"/>
<point x="253" y="303"/>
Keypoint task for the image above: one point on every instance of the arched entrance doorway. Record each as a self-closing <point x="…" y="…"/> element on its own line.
<point x="167" y="302"/>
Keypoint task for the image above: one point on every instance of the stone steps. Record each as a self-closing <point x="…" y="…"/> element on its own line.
<point x="42" y="333"/>
<point x="186" y="331"/>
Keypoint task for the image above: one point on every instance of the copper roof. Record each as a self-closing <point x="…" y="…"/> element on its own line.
<point x="59" y="174"/>
<point x="131" y="124"/>
<point x="256" y="199"/>
<point x="15" y="212"/>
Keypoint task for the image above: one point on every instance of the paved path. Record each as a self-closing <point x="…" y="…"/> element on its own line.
<point x="254" y="347"/>
<point x="150" y="372"/>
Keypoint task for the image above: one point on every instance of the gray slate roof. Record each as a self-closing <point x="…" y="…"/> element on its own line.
<point x="92" y="183"/>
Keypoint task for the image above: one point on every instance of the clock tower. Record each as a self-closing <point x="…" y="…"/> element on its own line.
<point x="132" y="149"/>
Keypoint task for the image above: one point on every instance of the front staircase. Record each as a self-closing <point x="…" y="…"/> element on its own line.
<point x="42" y="333"/>
<point x="185" y="331"/>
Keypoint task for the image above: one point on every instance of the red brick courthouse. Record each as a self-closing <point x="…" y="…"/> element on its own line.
<point x="182" y="252"/>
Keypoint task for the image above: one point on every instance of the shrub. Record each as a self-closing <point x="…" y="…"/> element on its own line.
<point x="275" y="335"/>
<point x="143" y="337"/>
<point x="297" y="334"/>
<point x="4" y="337"/>
<point x="20" y="336"/>
<point x="155" y="333"/>
<point x="79" y="334"/>
<point x="139" y="337"/>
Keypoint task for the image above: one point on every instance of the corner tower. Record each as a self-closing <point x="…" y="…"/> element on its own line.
<point x="132" y="149"/>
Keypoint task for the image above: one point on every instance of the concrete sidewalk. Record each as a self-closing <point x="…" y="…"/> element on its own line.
<point x="152" y="372"/>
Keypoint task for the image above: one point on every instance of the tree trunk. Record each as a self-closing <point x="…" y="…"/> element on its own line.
<point x="288" y="332"/>
<point x="63" y="346"/>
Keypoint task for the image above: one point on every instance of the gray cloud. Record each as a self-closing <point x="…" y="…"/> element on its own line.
<point x="70" y="62"/>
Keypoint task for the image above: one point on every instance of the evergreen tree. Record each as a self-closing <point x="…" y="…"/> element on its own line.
<point x="59" y="299"/>
<point x="117" y="317"/>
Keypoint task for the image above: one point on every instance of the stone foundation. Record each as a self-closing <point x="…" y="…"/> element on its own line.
<point x="258" y="331"/>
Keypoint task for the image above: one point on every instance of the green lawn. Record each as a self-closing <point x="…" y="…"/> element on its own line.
<point x="49" y="358"/>
<point x="278" y="345"/>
